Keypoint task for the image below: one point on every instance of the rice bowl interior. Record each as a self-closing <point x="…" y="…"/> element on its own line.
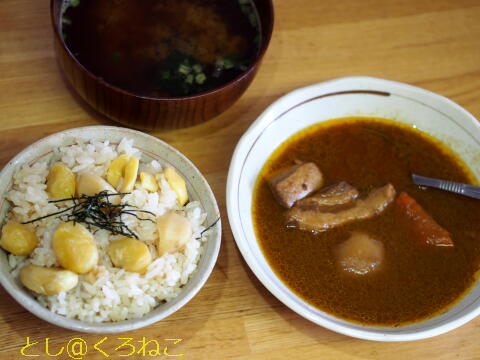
<point x="108" y="293"/>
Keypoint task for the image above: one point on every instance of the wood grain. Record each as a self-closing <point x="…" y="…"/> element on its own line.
<point x="432" y="44"/>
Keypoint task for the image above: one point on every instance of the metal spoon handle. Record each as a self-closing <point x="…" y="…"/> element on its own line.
<point x="458" y="188"/>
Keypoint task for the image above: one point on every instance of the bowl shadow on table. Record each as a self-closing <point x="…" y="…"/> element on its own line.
<point x="89" y="110"/>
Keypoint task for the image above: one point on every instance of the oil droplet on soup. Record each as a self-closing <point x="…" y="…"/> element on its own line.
<point x="406" y="281"/>
<point x="163" y="47"/>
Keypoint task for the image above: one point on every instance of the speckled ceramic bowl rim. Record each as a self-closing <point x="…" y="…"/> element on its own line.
<point x="155" y="148"/>
<point x="275" y="126"/>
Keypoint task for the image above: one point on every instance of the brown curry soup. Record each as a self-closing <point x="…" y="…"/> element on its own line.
<point x="415" y="281"/>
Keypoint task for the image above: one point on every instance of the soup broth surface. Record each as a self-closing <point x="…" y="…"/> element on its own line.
<point x="415" y="281"/>
<point x="163" y="47"/>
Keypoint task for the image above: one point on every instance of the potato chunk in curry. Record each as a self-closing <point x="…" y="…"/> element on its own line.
<point x="360" y="254"/>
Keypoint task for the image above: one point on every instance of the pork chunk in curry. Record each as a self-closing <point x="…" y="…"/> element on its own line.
<point x="295" y="183"/>
<point x="312" y="216"/>
<point x="338" y="194"/>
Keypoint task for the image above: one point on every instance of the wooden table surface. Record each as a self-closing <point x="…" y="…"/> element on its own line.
<point x="434" y="44"/>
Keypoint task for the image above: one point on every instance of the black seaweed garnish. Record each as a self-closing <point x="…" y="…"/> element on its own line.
<point x="208" y="228"/>
<point x="98" y="211"/>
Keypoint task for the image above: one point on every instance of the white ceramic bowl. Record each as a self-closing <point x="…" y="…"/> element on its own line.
<point x="352" y="96"/>
<point x="152" y="148"/>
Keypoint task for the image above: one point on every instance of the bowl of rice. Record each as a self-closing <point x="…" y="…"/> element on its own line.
<point x="90" y="280"/>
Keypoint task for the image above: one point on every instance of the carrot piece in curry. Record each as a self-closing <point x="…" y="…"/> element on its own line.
<point x="425" y="228"/>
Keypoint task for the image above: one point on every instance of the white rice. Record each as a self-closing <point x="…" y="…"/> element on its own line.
<point x="106" y="293"/>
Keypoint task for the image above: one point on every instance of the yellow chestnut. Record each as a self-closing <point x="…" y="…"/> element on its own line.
<point x="174" y="231"/>
<point x="130" y="175"/>
<point x="18" y="239"/>
<point x="116" y="169"/>
<point x="91" y="184"/>
<point x="60" y="182"/>
<point x="75" y="248"/>
<point x="148" y="182"/>
<point x="47" y="281"/>
<point x="177" y="184"/>
<point x="130" y="254"/>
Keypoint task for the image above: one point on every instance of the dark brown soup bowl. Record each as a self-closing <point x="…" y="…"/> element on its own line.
<point x="151" y="113"/>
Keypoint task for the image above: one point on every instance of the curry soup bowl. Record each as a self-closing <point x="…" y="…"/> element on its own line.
<point x="154" y="113"/>
<point x="339" y="98"/>
<point x="152" y="149"/>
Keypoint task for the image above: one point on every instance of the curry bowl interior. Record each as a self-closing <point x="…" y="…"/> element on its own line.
<point x="152" y="149"/>
<point x="357" y="96"/>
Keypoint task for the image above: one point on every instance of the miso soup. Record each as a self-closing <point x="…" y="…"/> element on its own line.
<point x="163" y="47"/>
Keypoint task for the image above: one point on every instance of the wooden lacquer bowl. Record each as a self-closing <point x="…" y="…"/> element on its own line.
<point x="155" y="113"/>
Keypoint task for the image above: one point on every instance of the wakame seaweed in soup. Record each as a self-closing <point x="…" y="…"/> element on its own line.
<point x="163" y="47"/>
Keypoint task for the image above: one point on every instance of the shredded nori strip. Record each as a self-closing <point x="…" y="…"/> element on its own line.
<point x="208" y="228"/>
<point x="97" y="211"/>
